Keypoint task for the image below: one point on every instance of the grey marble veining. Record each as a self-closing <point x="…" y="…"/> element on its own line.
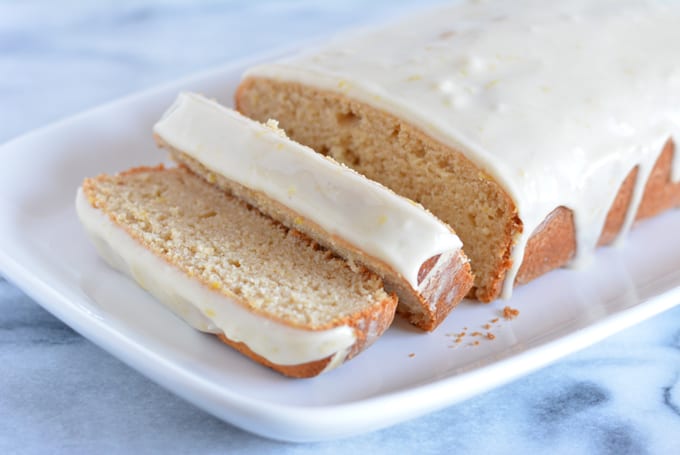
<point x="61" y="394"/>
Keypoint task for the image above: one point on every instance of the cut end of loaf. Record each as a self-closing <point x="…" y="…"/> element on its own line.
<point x="394" y="153"/>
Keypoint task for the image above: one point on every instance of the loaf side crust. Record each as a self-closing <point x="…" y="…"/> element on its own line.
<point x="368" y="327"/>
<point x="554" y="243"/>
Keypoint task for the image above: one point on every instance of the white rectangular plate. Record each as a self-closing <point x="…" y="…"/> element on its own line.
<point x="404" y="375"/>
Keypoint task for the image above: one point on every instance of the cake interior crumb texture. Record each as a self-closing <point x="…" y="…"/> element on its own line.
<point x="232" y="248"/>
<point x="390" y="151"/>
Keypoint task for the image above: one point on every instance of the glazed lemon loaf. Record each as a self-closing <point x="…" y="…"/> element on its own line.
<point x="537" y="130"/>
<point x="225" y="268"/>
<point x="418" y="256"/>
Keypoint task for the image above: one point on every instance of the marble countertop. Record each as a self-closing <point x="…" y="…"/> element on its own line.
<point x="59" y="393"/>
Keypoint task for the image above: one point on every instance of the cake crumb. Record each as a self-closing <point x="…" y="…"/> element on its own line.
<point x="490" y="336"/>
<point x="486" y="326"/>
<point x="510" y="313"/>
<point x="494" y="320"/>
<point x="476" y="334"/>
<point x="411" y="355"/>
<point x="273" y="125"/>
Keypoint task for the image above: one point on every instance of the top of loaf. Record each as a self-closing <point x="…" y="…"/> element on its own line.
<point x="388" y="227"/>
<point x="557" y="101"/>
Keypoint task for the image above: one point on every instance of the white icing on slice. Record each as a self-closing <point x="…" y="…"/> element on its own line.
<point x="558" y="101"/>
<point x="371" y="217"/>
<point x="209" y="310"/>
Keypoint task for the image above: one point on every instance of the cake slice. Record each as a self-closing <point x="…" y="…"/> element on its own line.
<point x="266" y="290"/>
<point x="537" y="130"/>
<point x="418" y="256"/>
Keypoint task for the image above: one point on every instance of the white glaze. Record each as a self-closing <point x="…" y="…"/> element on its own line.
<point x="371" y="217"/>
<point x="558" y="101"/>
<point x="208" y="310"/>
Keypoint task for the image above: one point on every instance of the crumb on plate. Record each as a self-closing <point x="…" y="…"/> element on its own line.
<point x="510" y="313"/>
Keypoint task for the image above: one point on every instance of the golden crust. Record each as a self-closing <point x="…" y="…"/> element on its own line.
<point x="446" y="289"/>
<point x="305" y="370"/>
<point x="379" y="320"/>
<point x="554" y="244"/>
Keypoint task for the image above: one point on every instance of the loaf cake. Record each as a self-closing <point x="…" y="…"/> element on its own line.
<point x="268" y="291"/>
<point x="537" y="130"/>
<point x="418" y="256"/>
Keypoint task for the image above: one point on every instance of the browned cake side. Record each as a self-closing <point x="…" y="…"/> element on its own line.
<point x="381" y="319"/>
<point x="389" y="150"/>
<point x="554" y="244"/>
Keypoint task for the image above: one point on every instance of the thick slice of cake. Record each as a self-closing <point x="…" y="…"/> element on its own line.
<point x="537" y="130"/>
<point x="225" y="268"/>
<point x="417" y="255"/>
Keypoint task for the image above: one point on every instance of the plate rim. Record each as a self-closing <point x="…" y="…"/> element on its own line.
<point x="290" y="422"/>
